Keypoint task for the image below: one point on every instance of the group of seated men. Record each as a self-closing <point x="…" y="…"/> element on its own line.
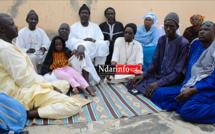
<point x="194" y="99"/>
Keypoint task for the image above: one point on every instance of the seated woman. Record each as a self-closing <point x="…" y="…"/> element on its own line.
<point x="57" y="61"/>
<point x="148" y="35"/>
<point x="191" y="32"/>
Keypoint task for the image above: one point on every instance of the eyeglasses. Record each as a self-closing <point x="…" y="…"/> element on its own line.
<point x="207" y="23"/>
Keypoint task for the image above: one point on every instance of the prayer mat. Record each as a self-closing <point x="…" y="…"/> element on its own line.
<point x="112" y="101"/>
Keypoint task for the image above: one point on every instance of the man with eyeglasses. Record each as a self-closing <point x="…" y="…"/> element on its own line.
<point x="168" y="61"/>
<point x="126" y="51"/>
<point x="194" y="99"/>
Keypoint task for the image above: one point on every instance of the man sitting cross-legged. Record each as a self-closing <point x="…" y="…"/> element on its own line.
<point x="194" y="100"/>
<point x="168" y="61"/>
<point x="126" y="51"/>
<point x="21" y="82"/>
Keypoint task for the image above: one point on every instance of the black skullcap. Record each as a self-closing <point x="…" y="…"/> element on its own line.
<point x="108" y="9"/>
<point x="84" y="7"/>
<point x="31" y="12"/>
<point x="172" y="16"/>
<point x="133" y="26"/>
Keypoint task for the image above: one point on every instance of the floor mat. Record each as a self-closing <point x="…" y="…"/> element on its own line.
<point x="112" y="101"/>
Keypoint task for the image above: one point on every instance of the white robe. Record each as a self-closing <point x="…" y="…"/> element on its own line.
<point x="33" y="39"/>
<point x="98" y="49"/>
<point x="85" y="64"/>
<point x="132" y="53"/>
<point x="125" y="53"/>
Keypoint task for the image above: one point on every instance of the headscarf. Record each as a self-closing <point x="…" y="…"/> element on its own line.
<point x="152" y="16"/>
<point x="133" y="26"/>
<point x="172" y="16"/>
<point x="201" y="18"/>
<point x="49" y="57"/>
<point x="31" y="12"/>
<point x="84" y="7"/>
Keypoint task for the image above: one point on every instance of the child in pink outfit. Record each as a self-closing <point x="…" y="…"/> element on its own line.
<point x="57" y="61"/>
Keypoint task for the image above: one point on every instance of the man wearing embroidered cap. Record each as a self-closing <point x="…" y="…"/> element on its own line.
<point x="168" y="61"/>
<point x="33" y="40"/>
<point x="147" y="35"/>
<point x="90" y="35"/>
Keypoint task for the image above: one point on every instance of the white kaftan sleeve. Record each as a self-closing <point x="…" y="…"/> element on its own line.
<point x="116" y="51"/>
<point x="45" y="40"/>
<point x="139" y="54"/>
<point x="99" y="35"/>
<point x="20" y="42"/>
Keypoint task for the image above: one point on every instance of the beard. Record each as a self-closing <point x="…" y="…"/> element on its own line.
<point x="128" y="40"/>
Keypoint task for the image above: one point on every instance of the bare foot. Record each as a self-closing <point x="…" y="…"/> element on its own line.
<point x="94" y="90"/>
<point x="75" y="90"/>
<point x="90" y="90"/>
<point x="84" y="91"/>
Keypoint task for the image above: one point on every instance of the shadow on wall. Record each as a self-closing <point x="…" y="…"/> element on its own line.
<point x="13" y="10"/>
<point x="75" y="4"/>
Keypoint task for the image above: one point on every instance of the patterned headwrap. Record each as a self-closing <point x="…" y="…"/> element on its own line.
<point x="153" y="16"/>
<point x="201" y="18"/>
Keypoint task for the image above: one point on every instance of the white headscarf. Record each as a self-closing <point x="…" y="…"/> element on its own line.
<point x="153" y="16"/>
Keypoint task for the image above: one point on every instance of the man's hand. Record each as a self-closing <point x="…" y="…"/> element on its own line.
<point x="43" y="50"/>
<point x="136" y="80"/>
<point x="57" y="90"/>
<point x="90" y="39"/>
<point x="151" y="88"/>
<point x="31" y="50"/>
<point x="50" y="72"/>
<point x="74" y="52"/>
<point x="108" y="77"/>
<point x="80" y="52"/>
<point x="186" y="94"/>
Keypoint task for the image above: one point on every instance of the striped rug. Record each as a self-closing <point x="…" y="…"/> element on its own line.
<point x="111" y="102"/>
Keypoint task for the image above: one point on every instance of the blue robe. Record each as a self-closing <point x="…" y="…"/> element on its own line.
<point x="148" y="41"/>
<point x="200" y="107"/>
<point x="175" y="63"/>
